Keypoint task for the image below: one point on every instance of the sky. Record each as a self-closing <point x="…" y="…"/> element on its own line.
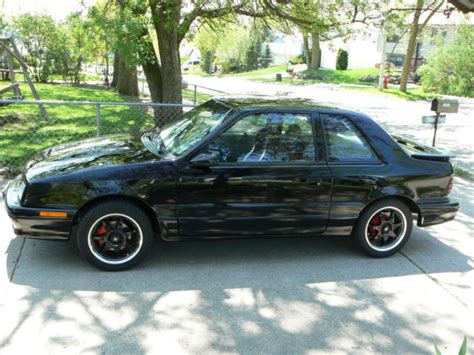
<point x="58" y="9"/>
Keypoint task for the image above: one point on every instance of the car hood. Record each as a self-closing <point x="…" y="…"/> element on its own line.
<point x="71" y="157"/>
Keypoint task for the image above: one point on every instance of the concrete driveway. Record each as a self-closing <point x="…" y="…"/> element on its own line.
<point x="273" y="296"/>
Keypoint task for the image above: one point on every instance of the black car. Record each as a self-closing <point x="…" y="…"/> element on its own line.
<point x="234" y="167"/>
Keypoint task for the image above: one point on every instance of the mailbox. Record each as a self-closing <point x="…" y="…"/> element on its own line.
<point x="445" y="105"/>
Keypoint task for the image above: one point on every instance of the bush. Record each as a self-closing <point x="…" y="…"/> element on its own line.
<point x="299" y="59"/>
<point x="342" y="59"/>
<point x="450" y="69"/>
<point x="206" y="62"/>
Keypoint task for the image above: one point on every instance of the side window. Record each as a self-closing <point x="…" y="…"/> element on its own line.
<point x="344" y="141"/>
<point x="269" y="137"/>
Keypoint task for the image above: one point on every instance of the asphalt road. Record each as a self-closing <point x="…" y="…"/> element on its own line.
<point x="271" y="296"/>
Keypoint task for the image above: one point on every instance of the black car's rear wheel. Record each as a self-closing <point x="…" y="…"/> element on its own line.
<point x="114" y="235"/>
<point x="383" y="228"/>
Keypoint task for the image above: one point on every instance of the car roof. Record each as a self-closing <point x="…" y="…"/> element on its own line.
<point x="257" y="101"/>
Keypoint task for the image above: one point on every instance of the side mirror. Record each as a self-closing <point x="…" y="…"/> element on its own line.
<point x="204" y="161"/>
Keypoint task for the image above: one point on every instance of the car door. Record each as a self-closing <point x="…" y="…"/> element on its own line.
<point x="356" y="168"/>
<point x="269" y="180"/>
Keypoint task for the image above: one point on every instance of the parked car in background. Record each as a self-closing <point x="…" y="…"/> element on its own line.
<point x="190" y="63"/>
<point x="234" y="167"/>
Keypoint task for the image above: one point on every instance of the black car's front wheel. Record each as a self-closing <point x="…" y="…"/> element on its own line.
<point x="383" y="228"/>
<point x="114" y="235"/>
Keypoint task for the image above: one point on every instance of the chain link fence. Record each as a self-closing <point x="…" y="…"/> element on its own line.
<point x="24" y="132"/>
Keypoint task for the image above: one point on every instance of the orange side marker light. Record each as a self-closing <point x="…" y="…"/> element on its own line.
<point x="53" y="214"/>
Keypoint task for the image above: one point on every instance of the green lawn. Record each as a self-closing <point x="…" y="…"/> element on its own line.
<point x="329" y="76"/>
<point x="196" y="70"/>
<point x="412" y="94"/>
<point x="259" y="72"/>
<point x="188" y="96"/>
<point x="23" y="132"/>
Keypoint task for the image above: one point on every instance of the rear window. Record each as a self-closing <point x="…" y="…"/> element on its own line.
<point x="344" y="142"/>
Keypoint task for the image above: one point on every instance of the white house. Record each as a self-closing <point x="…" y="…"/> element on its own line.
<point x="364" y="48"/>
<point x="284" y="47"/>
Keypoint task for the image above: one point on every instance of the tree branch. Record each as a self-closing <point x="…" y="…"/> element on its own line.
<point x="428" y="18"/>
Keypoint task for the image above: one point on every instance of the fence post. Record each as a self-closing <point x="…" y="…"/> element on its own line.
<point x="98" y="119"/>
<point x="195" y="94"/>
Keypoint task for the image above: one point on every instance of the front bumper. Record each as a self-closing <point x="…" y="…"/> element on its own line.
<point x="436" y="213"/>
<point x="28" y="223"/>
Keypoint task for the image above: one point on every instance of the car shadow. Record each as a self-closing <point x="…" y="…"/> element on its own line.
<point x="172" y="266"/>
<point x="283" y="295"/>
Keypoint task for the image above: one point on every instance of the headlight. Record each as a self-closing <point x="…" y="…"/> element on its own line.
<point x="15" y="191"/>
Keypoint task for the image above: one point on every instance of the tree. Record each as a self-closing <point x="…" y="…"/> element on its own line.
<point x="415" y="30"/>
<point x="324" y="20"/>
<point x="128" y="25"/>
<point x="79" y="35"/>
<point x="253" y="53"/>
<point x="37" y="33"/>
<point x="342" y="59"/>
<point x="267" y="57"/>
<point x="450" y="69"/>
<point x="100" y="31"/>
<point x="172" y="21"/>
<point x="207" y="40"/>
<point x="207" y="58"/>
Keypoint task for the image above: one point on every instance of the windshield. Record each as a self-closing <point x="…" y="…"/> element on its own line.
<point x="179" y="136"/>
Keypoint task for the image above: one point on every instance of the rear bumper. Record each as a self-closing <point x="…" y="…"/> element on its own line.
<point x="28" y="223"/>
<point x="436" y="213"/>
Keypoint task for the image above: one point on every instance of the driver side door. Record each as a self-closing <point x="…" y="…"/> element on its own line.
<point x="269" y="180"/>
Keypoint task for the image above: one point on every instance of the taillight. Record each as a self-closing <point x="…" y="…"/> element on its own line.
<point x="449" y="188"/>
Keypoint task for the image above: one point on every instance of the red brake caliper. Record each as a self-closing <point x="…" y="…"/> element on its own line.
<point x="101" y="231"/>
<point x="375" y="221"/>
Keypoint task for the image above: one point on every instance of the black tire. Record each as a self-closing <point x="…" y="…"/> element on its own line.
<point x="386" y="238"/>
<point x="126" y="236"/>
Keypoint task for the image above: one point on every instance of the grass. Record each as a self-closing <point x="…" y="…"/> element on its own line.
<point x="188" y="95"/>
<point x="462" y="173"/>
<point x="348" y="77"/>
<point x="411" y="94"/>
<point x="329" y="76"/>
<point x="196" y="70"/>
<point x="23" y="132"/>
<point x="274" y="69"/>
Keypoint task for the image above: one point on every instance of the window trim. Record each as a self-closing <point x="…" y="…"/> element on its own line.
<point x="377" y="161"/>
<point x="276" y="164"/>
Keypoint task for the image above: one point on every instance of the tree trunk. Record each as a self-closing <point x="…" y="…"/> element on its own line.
<point x="315" y="52"/>
<point x="77" y="72"/>
<point x="115" y="74"/>
<point x="106" y="74"/>
<point x="153" y="75"/>
<point x="127" y="81"/>
<point x="154" y="80"/>
<point x="411" y="46"/>
<point x="168" y="43"/>
<point x="306" y="52"/>
<point x="383" y="37"/>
